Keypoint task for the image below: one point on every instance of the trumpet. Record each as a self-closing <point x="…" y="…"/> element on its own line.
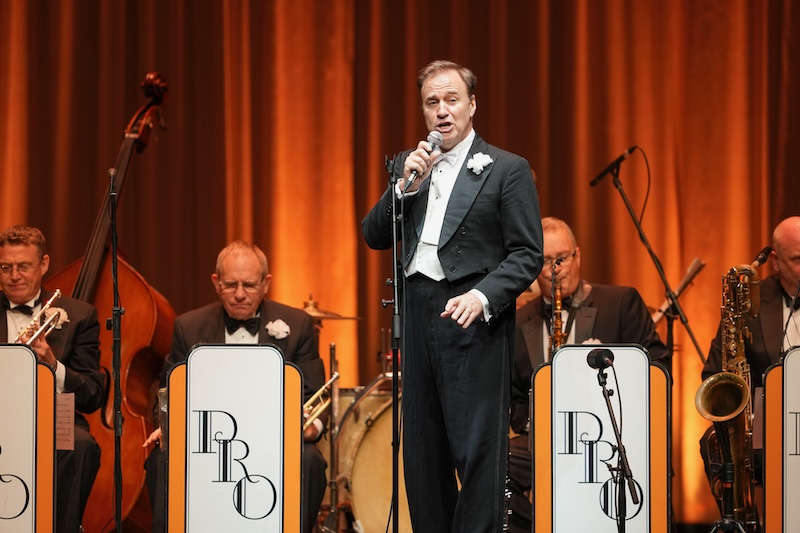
<point x="36" y="327"/>
<point x="318" y="402"/>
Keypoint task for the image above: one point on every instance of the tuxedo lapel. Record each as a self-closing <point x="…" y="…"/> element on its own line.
<point x="268" y="314"/>
<point x="532" y="333"/>
<point x="585" y="317"/>
<point x="3" y="319"/>
<point x="214" y="329"/>
<point x="466" y="188"/>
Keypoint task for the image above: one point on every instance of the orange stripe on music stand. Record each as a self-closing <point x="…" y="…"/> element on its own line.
<point x="773" y="448"/>
<point x="45" y="448"/>
<point x="292" y="448"/>
<point x="176" y="489"/>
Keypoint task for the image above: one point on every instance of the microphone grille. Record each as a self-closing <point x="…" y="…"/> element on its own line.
<point x="435" y="138"/>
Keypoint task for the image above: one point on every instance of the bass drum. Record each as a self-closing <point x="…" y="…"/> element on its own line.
<point x="365" y="457"/>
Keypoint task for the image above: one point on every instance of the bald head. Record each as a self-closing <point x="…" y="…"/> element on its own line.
<point x="786" y="254"/>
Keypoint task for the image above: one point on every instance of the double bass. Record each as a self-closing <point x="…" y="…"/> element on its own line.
<point x="146" y="335"/>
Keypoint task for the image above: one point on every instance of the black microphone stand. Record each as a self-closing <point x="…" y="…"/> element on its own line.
<point x="675" y="307"/>
<point x="396" y="338"/>
<point x="331" y="524"/>
<point x="116" y="362"/>
<point x="622" y="473"/>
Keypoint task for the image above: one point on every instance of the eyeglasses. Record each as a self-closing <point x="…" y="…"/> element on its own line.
<point x="22" y="268"/>
<point x="563" y="259"/>
<point x="247" y="286"/>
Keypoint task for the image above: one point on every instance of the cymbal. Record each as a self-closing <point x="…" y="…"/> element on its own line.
<point x="311" y="308"/>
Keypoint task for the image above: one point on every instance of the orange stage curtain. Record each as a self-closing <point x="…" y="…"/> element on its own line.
<point x="279" y="115"/>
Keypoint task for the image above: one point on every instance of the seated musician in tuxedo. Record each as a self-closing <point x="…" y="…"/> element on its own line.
<point x="768" y="340"/>
<point x="244" y="315"/>
<point x="72" y="351"/>
<point x="590" y="313"/>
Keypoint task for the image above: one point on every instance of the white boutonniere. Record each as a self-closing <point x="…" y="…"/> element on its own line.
<point x="61" y="319"/>
<point x="278" y="329"/>
<point x="479" y="161"/>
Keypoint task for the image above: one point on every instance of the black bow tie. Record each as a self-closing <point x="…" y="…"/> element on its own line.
<point x="547" y="308"/>
<point x="232" y="324"/>
<point x="790" y="302"/>
<point x="24" y="308"/>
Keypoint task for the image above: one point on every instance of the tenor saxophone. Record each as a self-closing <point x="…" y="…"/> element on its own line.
<point x="725" y="399"/>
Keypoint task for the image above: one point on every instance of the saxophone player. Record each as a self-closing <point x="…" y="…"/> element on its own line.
<point x="72" y="352"/>
<point x="766" y="341"/>
<point x="589" y="313"/>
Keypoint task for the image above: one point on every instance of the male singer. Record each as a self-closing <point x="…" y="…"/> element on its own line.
<point x="473" y="242"/>
<point x="72" y="351"/>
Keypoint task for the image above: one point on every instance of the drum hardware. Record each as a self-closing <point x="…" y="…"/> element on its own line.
<point x="362" y="447"/>
<point x="331" y="524"/>
<point x="311" y="307"/>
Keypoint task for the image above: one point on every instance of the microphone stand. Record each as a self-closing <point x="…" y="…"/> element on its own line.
<point x="622" y="473"/>
<point x="331" y="524"/>
<point x="396" y="338"/>
<point x="666" y="309"/>
<point x="671" y="296"/>
<point x="115" y="324"/>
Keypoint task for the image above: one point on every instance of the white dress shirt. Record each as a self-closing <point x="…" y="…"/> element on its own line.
<point x="17" y="321"/>
<point x="443" y="177"/>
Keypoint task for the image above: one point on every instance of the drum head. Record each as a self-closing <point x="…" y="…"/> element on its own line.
<point x="371" y="477"/>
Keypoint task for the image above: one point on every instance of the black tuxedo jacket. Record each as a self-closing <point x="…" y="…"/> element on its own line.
<point x="206" y="325"/>
<point x="77" y="346"/>
<point x="491" y="230"/>
<point x="767" y="329"/>
<point x="613" y="315"/>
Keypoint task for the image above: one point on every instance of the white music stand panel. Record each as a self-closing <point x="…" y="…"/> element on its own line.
<point x="17" y="439"/>
<point x="234" y="439"/>
<point x="584" y="496"/>
<point x="791" y="440"/>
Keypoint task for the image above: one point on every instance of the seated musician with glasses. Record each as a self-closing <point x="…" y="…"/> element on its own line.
<point x="71" y="350"/>
<point x="244" y="315"/>
<point x="590" y="313"/>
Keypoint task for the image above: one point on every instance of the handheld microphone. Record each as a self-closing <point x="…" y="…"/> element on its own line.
<point x="614" y="164"/>
<point x="435" y="139"/>
<point x="600" y="358"/>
